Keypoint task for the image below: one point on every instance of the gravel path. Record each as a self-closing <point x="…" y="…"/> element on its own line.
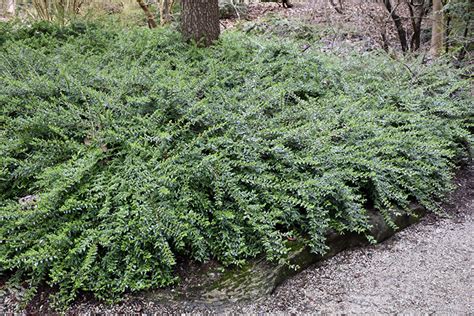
<point x="426" y="268"/>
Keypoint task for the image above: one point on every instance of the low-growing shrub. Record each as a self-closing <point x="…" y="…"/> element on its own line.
<point x="142" y="150"/>
<point x="229" y="9"/>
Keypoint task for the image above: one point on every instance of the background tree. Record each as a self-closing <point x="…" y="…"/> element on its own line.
<point x="458" y="16"/>
<point x="418" y="10"/>
<point x="397" y="20"/>
<point x="200" y="21"/>
<point x="437" y="33"/>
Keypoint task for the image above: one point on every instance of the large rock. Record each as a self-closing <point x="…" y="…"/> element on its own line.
<point x="211" y="287"/>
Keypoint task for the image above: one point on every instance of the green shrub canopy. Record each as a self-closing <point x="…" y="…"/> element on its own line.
<point x="143" y="151"/>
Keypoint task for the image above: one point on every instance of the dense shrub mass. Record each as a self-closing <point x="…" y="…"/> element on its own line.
<point x="142" y="150"/>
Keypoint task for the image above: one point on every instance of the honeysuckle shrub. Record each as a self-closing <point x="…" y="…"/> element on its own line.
<point x="141" y="151"/>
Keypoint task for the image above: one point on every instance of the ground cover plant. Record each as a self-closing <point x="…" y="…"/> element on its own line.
<point x="141" y="150"/>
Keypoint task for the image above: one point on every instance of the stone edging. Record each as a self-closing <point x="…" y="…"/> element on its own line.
<point x="259" y="278"/>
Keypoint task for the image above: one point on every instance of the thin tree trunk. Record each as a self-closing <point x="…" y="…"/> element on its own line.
<point x="402" y="35"/>
<point x="43" y="9"/>
<point x="165" y="11"/>
<point x="447" y="32"/>
<point x="11" y="7"/>
<point x="150" y="17"/>
<point x="463" y="51"/>
<point x="417" y="13"/>
<point x="200" y="21"/>
<point x="437" y="29"/>
<point x="385" y="45"/>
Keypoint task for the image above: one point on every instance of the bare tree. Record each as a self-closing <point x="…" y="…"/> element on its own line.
<point x="166" y="7"/>
<point x="59" y="11"/>
<point x="418" y="10"/>
<point x="397" y="20"/>
<point x="149" y="15"/>
<point x="410" y="39"/>
<point x="11" y="7"/>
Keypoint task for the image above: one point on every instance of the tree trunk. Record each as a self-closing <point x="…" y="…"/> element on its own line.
<point x="418" y="11"/>
<point x="447" y="32"/>
<point x="11" y="7"/>
<point x="165" y="11"/>
<point x="200" y="21"/>
<point x="464" y="49"/>
<point x="437" y="29"/>
<point x="150" y="17"/>
<point x="287" y="4"/>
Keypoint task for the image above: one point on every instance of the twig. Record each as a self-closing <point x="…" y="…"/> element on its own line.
<point x="338" y="10"/>
<point x="150" y="17"/>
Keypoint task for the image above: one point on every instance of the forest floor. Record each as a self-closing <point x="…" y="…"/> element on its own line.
<point x="359" y="25"/>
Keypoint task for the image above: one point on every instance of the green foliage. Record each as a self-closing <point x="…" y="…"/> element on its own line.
<point x="232" y="9"/>
<point x="459" y="15"/>
<point x="143" y="150"/>
<point x="272" y="25"/>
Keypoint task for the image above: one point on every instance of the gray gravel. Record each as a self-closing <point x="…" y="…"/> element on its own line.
<point x="427" y="268"/>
